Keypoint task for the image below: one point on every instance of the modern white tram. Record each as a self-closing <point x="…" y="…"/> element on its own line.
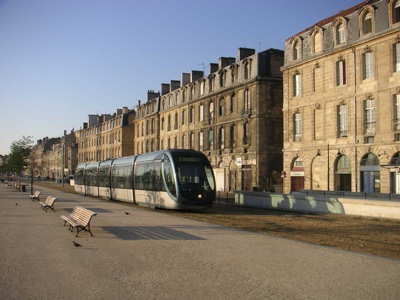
<point x="171" y="179"/>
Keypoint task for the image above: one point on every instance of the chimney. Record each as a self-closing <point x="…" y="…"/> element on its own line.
<point x="174" y="85"/>
<point x="119" y="111"/>
<point x="85" y="125"/>
<point x="151" y="95"/>
<point x="213" y="68"/>
<point x="164" y="88"/>
<point x="196" y="75"/>
<point x="225" y="61"/>
<point x="185" y="79"/>
<point x="245" y="52"/>
<point x="125" y="110"/>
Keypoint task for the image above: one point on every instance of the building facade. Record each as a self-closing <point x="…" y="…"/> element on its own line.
<point x="341" y="108"/>
<point x="233" y="115"/>
<point x="106" y="136"/>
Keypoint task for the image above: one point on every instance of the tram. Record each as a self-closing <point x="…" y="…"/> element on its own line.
<point x="169" y="179"/>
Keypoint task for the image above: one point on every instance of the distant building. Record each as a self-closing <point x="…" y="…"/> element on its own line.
<point x="234" y="116"/>
<point x="341" y="109"/>
<point x="106" y="136"/>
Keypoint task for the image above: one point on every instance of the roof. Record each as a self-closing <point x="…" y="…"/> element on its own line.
<point x="330" y="19"/>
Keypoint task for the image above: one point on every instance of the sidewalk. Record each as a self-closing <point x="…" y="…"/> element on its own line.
<point x="150" y="255"/>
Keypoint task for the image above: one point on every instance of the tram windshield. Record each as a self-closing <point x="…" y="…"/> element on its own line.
<point x="194" y="176"/>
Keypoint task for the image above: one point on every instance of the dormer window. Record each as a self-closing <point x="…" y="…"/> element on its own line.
<point x="366" y="20"/>
<point x="296" y="49"/>
<point x="316" y="40"/>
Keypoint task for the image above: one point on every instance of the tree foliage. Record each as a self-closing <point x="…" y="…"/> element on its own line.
<point x="19" y="155"/>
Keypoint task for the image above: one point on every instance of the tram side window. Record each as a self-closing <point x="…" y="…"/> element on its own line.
<point x="91" y="177"/>
<point x="169" y="178"/>
<point x="104" y="180"/>
<point x="121" y="177"/>
<point x="147" y="177"/>
<point x="79" y="178"/>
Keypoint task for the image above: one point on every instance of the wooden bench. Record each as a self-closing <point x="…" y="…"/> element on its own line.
<point x="35" y="196"/>
<point x="49" y="203"/>
<point x="80" y="219"/>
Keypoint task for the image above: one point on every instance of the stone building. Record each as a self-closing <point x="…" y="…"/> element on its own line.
<point x="106" y="136"/>
<point x="54" y="158"/>
<point x="341" y="103"/>
<point x="233" y="115"/>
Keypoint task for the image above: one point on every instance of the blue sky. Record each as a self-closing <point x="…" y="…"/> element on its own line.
<point x="61" y="60"/>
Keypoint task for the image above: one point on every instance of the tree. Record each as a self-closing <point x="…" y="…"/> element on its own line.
<point x="20" y="153"/>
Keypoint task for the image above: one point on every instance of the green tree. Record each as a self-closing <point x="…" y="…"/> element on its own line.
<point x="18" y="160"/>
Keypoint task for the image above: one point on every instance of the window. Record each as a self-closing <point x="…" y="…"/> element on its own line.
<point x="247" y="70"/>
<point x="246" y="133"/>
<point x="317" y="39"/>
<point x="183" y="117"/>
<point x="211" y="139"/>
<point x="191" y="140"/>
<point x="232" y="136"/>
<point x="201" y="141"/>
<point x="192" y="92"/>
<point x="340" y="72"/>
<point x="184" y="95"/>
<point x="211" y="112"/>
<point x="201" y="112"/>
<point x="232" y="106"/>
<point x="183" y="141"/>
<point x="222" y="79"/>
<point x="368" y="65"/>
<point x="397" y="112"/>
<point x="367" y="22"/>
<point x="168" y="123"/>
<point x="369" y="116"/>
<point x="176" y="121"/>
<point x="297" y="127"/>
<point x="342" y="120"/>
<point x="396" y="57"/>
<point x="211" y="83"/>
<point x="396" y="12"/>
<point x="340" y="34"/>
<point x="296" y="85"/>
<point x="202" y="87"/>
<point x="221" y="107"/>
<point x="246" y="102"/>
<point x="221" y="137"/>
<point x="191" y="115"/>
<point x="296" y="50"/>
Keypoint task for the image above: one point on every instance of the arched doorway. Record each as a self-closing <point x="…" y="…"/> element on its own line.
<point x="343" y="174"/>
<point x="319" y="178"/>
<point x="297" y="175"/>
<point x="370" y="174"/>
<point x="395" y="174"/>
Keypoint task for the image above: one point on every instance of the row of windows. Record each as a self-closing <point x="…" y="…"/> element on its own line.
<point x="202" y="140"/>
<point x="369" y="126"/>
<point x="95" y="130"/>
<point x="100" y="155"/>
<point x="340" y="25"/>
<point x="368" y="69"/>
<point x="114" y="137"/>
<point x="148" y="127"/>
<point x="195" y="90"/>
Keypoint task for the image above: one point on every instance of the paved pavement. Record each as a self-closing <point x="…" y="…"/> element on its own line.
<point x="150" y="255"/>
